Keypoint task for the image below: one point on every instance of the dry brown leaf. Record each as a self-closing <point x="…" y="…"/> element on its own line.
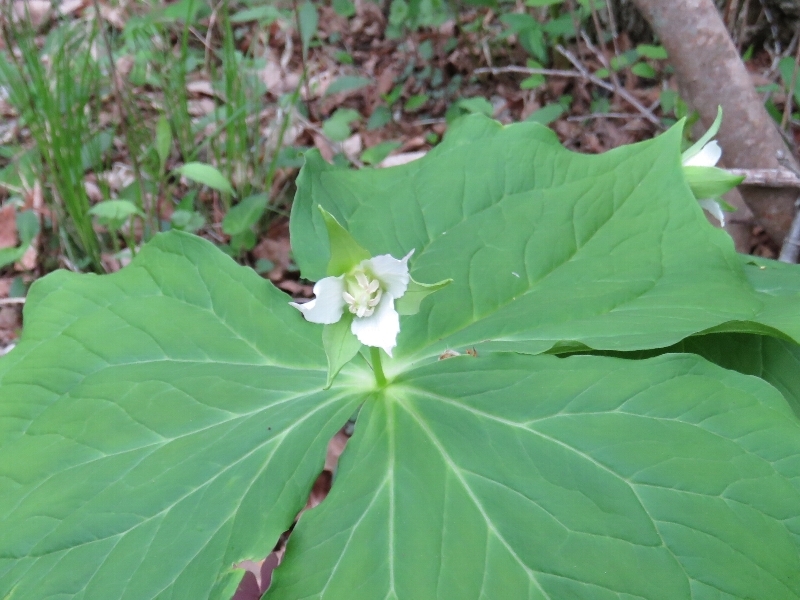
<point x="34" y="198"/>
<point x="119" y="177"/>
<point x="401" y="159"/>
<point x="8" y="226"/>
<point x="10" y="323"/>
<point x="319" y="490"/>
<point x="68" y="7"/>
<point x="110" y="263"/>
<point x="37" y="12"/>
<point x="317" y="85"/>
<point x="114" y="15"/>
<point x="335" y="448"/>
<point x="29" y="259"/>
<point x="297" y="290"/>
<point x="352" y="146"/>
<point x="92" y="190"/>
<point x="323" y="146"/>
<point x="201" y="108"/>
<point x="202" y="87"/>
<point x="279" y="252"/>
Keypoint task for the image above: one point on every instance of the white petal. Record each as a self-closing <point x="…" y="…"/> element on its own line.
<point x="392" y="273"/>
<point x="708" y="156"/>
<point x="381" y="328"/>
<point x="714" y="209"/>
<point x="328" y="305"/>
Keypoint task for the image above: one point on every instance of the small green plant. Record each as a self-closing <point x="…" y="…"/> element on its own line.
<point x="56" y="92"/>
<point x="602" y="402"/>
<point x="83" y="113"/>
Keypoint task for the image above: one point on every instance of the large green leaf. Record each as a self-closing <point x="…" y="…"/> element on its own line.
<point x="157" y="426"/>
<point x="546" y="248"/>
<point x="773" y="360"/>
<point x="163" y="423"/>
<point x="516" y="476"/>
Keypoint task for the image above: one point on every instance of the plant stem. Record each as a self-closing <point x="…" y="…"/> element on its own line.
<point x="377" y="367"/>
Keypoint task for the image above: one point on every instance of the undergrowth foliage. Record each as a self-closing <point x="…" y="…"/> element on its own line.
<point x="625" y="423"/>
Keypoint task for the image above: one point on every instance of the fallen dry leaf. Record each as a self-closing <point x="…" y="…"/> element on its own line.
<point x="297" y="290"/>
<point x="36" y="11"/>
<point x="323" y="146"/>
<point x="335" y="449"/>
<point x="202" y="87"/>
<point x="401" y="159"/>
<point x="29" y="259"/>
<point x="279" y="252"/>
<point x="8" y="226"/>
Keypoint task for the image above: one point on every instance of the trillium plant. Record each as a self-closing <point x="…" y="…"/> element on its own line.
<point x="373" y="292"/>
<point x="600" y="400"/>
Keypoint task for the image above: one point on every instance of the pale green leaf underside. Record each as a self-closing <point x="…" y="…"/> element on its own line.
<point x="773" y="360"/>
<point x="157" y="426"/>
<point x="520" y="476"/>
<point x="545" y="247"/>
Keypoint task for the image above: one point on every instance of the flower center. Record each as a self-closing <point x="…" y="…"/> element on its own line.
<point x="362" y="294"/>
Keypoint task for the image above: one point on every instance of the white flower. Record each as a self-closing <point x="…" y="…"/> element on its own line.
<point x="714" y="209"/>
<point x="707" y="156"/>
<point x="368" y="292"/>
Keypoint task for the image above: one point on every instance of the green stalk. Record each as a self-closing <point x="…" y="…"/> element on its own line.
<point x="377" y="367"/>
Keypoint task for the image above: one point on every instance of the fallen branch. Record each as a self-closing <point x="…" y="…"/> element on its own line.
<point x="527" y="71"/>
<point x="6" y="301"/>
<point x="620" y="91"/>
<point x="580" y="73"/>
<point x="775" y="178"/>
<point x="790" y="251"/>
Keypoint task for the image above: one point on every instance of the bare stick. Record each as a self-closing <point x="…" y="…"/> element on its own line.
<point x="528" y="71"/>
<point x="777" y="178"/>
<point x="601" y="53"/>
<point x="787" y="109"/>
<point x="622" y="92"/>
<point x="610" y="115"/>
<point x="7" y="301"/>
<point x="612" y="22"/>
<point x="790" y="250"/>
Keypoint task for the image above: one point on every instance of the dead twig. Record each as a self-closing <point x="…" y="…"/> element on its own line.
<point x="778" y="178"/>
<point x="609" y="115"/>
<point x="787" y="109"/>
<point x="790" y="250"/>
<point x="612" y="23"/>
<point x="582" y="74"/>
<point x="7" y="301"/>
<point x="620" y="91"/>
<point x="528" y="71"/>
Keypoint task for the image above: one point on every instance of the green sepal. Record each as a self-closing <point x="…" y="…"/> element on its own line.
<point x="695" y="148"/>
<point x="710" y="182"/>
<point x="346" y="253"/>
<point x="409" y="303"/>
<point x="340" y="345"/>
